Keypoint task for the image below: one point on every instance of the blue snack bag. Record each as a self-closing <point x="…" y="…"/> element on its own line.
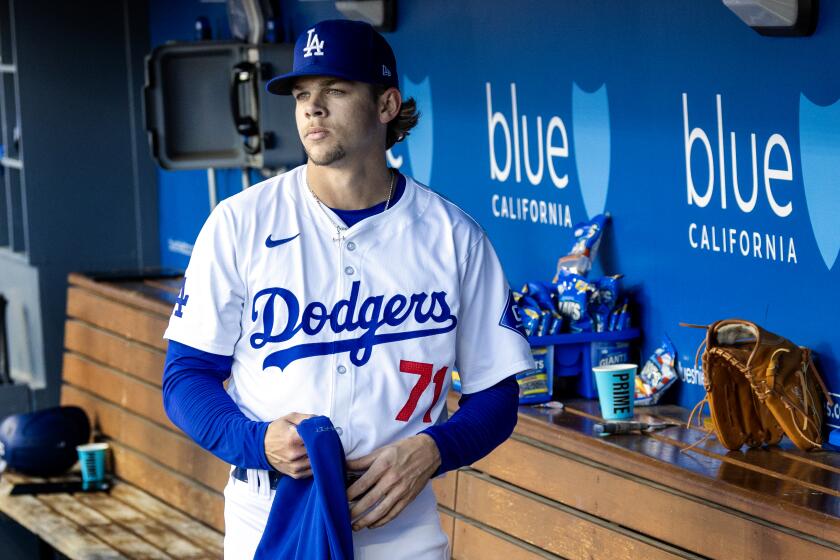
<point x="531" y="315"/>
<point x="546" y="320"/>
<point x="542" y="298"/>
<point x="604" y="300"/>
<point x="622" y="322"/>
<point x="542" y="293"/>
<point x="613" y="318"/>
<point x="607" y="290"/>
<point x="573" y="297"/>
<point x="617" y="316"/>
<point x="556" y="324"/>
<point x="587" y="239"/>
<point x="536" y="386"/>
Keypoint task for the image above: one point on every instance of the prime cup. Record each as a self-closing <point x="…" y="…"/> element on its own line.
<point x="92" y="461"/>
<point x="616" y="390"/>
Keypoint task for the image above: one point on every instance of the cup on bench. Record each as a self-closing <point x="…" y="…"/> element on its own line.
<point x="616" y="390"/>
<point x="92" y="460"/>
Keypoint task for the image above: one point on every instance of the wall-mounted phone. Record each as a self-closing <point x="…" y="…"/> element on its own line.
<point x="206" y="106"/>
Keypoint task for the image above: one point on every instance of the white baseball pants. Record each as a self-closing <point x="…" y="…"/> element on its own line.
<point x="415" y="534"/>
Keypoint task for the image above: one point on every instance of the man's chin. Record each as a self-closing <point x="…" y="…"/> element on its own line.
<point x="324" y="157"/>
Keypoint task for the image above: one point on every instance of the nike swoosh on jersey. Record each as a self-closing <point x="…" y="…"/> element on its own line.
<point x="269" y="242"/>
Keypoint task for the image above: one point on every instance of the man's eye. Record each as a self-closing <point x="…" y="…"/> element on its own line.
<point x="301" y="96"/>
<point x="333" y="91"/>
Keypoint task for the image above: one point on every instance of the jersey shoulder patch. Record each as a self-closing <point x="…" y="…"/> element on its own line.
<point x="511" y="319"/>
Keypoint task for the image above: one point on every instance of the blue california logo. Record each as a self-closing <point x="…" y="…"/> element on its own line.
<point x="819" y="145"/>
<point x="526" y="146"/>
<point x="420" y="141"/>
<point x="591" y="140"/>
<point x="368" y="317"/>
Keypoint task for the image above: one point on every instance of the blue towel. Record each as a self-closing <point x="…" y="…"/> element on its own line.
<point x="310" y="518"/>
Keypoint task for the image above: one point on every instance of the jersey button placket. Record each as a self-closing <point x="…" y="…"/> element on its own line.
<point x="343" y="369"/>
<point x="343" y="391"/>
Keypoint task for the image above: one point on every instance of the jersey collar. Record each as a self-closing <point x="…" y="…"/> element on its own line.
<point x="399" y="213"/>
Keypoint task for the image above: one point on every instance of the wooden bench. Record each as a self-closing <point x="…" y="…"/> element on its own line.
<point x="167" y="501"/>
<point x="125" y="523"/>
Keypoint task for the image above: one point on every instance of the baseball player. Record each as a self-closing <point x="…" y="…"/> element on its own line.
<point x="343" y="288"/>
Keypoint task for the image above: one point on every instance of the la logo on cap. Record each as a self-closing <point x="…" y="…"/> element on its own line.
<point x="313" y="45"/>
<point x="385" y="71"/>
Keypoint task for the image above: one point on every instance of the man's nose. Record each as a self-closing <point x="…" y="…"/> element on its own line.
<point x="315" y="108"/>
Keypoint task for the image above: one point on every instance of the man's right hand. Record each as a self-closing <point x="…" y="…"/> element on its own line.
<point x="284" y="448"/>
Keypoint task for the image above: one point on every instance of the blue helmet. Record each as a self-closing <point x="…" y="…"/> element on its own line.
<point x="43" y="443"/>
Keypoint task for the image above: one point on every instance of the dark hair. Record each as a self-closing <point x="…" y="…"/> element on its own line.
<point x="402" y="124"/>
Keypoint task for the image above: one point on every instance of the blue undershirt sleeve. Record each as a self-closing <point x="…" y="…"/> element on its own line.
<point x="484" y="420"/>
<point x="195" y="400"/>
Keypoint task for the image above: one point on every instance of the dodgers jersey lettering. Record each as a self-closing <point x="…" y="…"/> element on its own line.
<point x="365" y="330"/>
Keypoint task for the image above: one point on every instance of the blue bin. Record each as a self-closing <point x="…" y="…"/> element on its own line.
<point x="576" y="353"/>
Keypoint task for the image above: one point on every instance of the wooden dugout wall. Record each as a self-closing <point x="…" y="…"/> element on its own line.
<point x="113" y="365"/>
<point x="552" y="491"/>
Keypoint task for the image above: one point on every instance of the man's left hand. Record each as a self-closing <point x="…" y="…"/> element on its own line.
<point x="396" y="474"/>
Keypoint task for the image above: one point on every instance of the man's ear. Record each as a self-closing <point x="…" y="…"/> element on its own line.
<point x="390" y="103"/>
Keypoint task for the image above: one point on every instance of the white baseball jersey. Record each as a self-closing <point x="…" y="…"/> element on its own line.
<point x="364" y="329"/>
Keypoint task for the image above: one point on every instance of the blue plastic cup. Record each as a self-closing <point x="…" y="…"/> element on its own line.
<point x="92" y="461"/>
<point x="616" y="390"/>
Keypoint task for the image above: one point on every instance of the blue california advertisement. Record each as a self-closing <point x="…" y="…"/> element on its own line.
<point x="712" y="148"/>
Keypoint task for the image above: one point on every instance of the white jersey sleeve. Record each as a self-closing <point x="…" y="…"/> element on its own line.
<point x="208" y="312"/>
<point x="491" y="342"/>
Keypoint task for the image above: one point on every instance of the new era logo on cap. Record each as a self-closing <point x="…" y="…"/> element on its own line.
<point x="313" y="46"/>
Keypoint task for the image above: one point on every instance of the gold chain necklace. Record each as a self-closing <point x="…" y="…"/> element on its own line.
<point x="339" y="229"/>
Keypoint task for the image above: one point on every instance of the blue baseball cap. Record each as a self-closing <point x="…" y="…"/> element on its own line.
<point x="349" y="50"/>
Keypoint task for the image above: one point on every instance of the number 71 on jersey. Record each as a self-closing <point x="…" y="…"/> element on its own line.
<point x="424" y="371"/>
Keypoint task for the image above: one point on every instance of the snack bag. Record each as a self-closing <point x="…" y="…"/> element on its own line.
<point x="555" y="325"/>
<point x="544" y="297"/>
<point x="623" y="320"/>
<point x="604" y="300"/>
<point x="535" y="386"/>
<point x="531" y="315"/>
<point x="572" y="300"/>
<point x="542" y="293"/>
<point x="587" y="238"/>
<point x="657" y="374"/>
<point x="619" y="318"/>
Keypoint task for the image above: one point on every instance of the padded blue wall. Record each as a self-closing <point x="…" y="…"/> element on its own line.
<point x="630" y="103"/>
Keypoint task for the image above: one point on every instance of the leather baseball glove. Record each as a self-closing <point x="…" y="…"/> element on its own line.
<point x="760" y="386"/>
